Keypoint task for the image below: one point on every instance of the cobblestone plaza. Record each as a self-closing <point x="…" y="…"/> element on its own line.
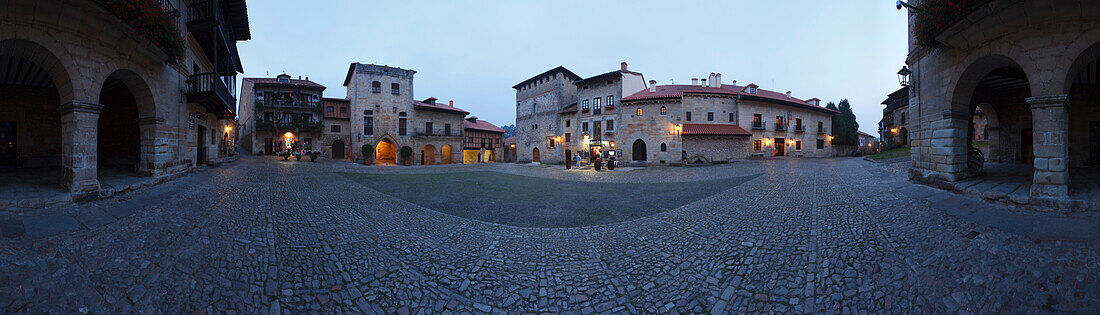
<point x="782" y="236"/>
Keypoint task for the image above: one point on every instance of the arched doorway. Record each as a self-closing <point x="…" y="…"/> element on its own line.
<point x="637" y="151"/>
<point x="447" y="157"/>
<point x="427" y="155"/>
<point x="119" y="136"/>
<point x="1083" y="114"/>
<point x="385" y="153"/>
<point x="1000" y="87"/>
<point x="338" y="149"/>
<point x="535" y="155"/>
<point x="904" y="133"/>
<point x="33" y="83"/>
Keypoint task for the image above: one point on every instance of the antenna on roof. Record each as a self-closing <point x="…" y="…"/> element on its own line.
<point x="671" y="82"/>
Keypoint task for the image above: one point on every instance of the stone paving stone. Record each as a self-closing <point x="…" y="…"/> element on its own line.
<point x="802" y="236"/>
<point x="93" y="217"/>
<point x="48" y="225"/>
<point x="11" y="228"/>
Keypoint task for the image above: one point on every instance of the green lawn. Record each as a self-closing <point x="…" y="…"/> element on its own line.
<point x="890" y="154"/>
<point x="540" y="202"/>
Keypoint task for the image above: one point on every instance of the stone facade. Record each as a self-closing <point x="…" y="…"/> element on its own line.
<point x="280" y="113"/>
<point x="384" y="114"/>
<point x="894" y="126"/>
<point x="1023" y="62"/>
<point x="816" y="128"/>
<point x="93" y="64"/>
<point x="595" y="124"/>
<point x="538" y="101"/>
<point x="336" y="137"/>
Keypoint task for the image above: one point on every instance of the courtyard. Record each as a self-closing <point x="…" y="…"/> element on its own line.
<point x="261" y="235"/>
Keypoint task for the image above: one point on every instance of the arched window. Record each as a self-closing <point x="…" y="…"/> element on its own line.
<point x="638" y="112"/>
<point x="535" y="107"/>
<point x="368" y="112"/>
<point x="376" y="87"/>
<point x="395" y="89"/>
<point x="664" y="148"/>
<point x="402" y="114"/>
<point x="664" y="111"/>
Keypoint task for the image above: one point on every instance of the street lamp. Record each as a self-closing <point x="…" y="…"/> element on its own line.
<point x="903" y="76"/>
<point x="904" y="4"/>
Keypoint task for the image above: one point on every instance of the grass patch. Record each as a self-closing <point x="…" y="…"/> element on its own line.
<point x="890" y="154"/>
<point x="528" y="201"/>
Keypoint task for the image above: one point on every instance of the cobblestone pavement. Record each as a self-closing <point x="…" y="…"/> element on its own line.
<point x="814" y="235"/>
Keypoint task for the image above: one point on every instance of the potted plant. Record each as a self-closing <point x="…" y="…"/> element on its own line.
<point x="286" y="155"/>
<point x="313" y="156"/>
<point x="406" y="155"/>
<point x="298" y="156"/>
<point x="367" y="150"/>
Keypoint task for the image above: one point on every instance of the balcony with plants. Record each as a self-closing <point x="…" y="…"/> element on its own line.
<point x="935" y="16"/>
<point x="154" y="20"/>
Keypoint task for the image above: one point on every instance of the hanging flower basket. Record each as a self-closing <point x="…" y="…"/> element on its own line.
<point x="155" y="20"/>
<point x="934" y="16"/>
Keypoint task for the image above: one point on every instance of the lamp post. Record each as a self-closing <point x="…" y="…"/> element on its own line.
<point x="903" y="77"/>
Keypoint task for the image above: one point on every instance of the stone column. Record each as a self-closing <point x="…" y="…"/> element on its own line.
<point x="79" y="130"/>
<point x="1050" y="131"/>
<point x="154" y="149"/>
<point x="948" y="144"/>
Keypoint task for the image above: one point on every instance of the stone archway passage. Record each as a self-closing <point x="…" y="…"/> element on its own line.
<point x="535" y="155"/>
<point x="446" y="154"/>
<point x="338" y="149"/>
<point x="119" y="136"/>
<point x="638" y="150"/>
<point x="427" y="155"/>
<point x="385" y="153"/>
<point x="34" y="85"/>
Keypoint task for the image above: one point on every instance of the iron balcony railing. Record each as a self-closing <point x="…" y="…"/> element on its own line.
<point x="284" y="103"/>
<point x="436" y="132"/>
<point x="297" y="125"/>
<point x="780" y="127"/>
<point x="209" y="90"/>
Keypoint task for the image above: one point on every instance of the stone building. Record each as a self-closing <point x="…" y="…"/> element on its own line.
<point x="281" y="114"/>
<point x="88" y="97"/>
<point x="1031" y="67"/>
<point x="538" y="103"/>
<point x="483" y="143"/>
<point x="617" y="113"/>
<point x="894" y="127"/>
<point x="385" y="117"/>
<point x="337" y="137"/>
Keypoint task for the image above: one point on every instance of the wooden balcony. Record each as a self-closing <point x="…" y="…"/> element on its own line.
<point x="208" y="90"/>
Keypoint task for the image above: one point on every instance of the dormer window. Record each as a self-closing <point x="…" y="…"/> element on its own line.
<point x="284" y="80"/>
<point x="752" y="90"/>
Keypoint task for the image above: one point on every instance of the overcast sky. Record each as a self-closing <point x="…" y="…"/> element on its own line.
<point x="472" y="52"/>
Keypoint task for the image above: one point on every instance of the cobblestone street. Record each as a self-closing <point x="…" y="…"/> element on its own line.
<point x="261" y="235"/>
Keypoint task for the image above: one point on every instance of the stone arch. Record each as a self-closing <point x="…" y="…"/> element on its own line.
<point x="1082" y="89"/>
<point x="42" y="57"/>
<point x="119" y="135"/>
<point x="446" y="154"/>
<point x="338" y="149"/>
<point x="1001" y="82"/>
<point x="427" y="155"/>
<point x="147" y="120"/>
<point x="535" y="157"/>
<point x="638" y="150"/>
<point x="385" y="152"/>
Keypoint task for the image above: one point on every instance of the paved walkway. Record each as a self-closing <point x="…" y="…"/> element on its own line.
<point x="814" y="235"/>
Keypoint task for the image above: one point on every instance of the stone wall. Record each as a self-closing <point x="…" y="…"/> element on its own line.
<point x="711" y="149"/>
<point x="37" y="124"/>
<point x="808" y="137"/>
<point x="653" y="128"/>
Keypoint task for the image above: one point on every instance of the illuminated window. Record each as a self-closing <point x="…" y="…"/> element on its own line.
<point x="756" y="145"/>
<point x="638" y="112"/>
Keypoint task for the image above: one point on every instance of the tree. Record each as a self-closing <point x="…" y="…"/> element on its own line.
<point x="844" y="124"/>
<point x="509" y="130"/>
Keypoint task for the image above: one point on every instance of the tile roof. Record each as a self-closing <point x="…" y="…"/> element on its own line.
<point x="714" y="129"/>
<point x="677" y="91"/>
<point x="561" y="69"/>
<point x="474" y="123"/>
<point x="864" y="134"/>
<point x="296" y="82"/>
<point x="438" y="107"/>
<point x="571" y="108"/>
<point x="510" y="140"/>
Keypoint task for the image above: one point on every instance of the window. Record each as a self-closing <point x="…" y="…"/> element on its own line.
<point x="710" y="116"/>
<point x="535" y="108"/>
<point x="596" y="106"/>
<point x="752" y="90"/>
<point x="733" y="117"/>
<point x="638" y="112"/>
<point x="334" y="128"/>
<point x="779" y="123"/>
<point x="395" y="89"/>
<point x="567" y="137"/>
<point x="688" y="116"/>
<point x="428" y="128"/>
<point x="446" y="129"/>
<point x="402" y="114"/>
<point x="664" y="148"/>
<point x="798" y="124"/>
<point x="757" y="121"/>
<point x="584" y="126"/>
<point x="331" y="109"/>
<point x="610" y="101"/>
<point x="567" y="122"/>
<point x="402" y="126"/>
<point x="798" y="144"/>
<point x="343" y="110"/>
<point x="820" y="144"/>
<point x="376" y="87"/>
<point x="902" y="118"/>
<point x="584" y="104"/>
<point x="664" y="110"/>
<point x="756" y="145"/>
<point x="368" y="112"/>
<point x="368" y="125"/>
<point x="820" y="127"/>
<point x="610" y="125"/>
<point x="551" y="142"/>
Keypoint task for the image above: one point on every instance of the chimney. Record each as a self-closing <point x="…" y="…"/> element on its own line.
<point x="734" y="82"/>
<point x="622" y="66"/>
<point x="704" y="83"/>
<point x="788" y="93"/>
<point x="652" y="86"/>
<point x="694" y="81"/>
<point x="307" y="78"/>
<point x="299" y="77"/>
<point x="711" y="78"/>
<point x="718" y="80"/>
<point x="452" y="103"/>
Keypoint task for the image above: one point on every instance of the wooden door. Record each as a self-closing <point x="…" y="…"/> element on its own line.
<point x="779" y="148"/>
<point x="338" y="149"/>
<point x="535" y="155"/>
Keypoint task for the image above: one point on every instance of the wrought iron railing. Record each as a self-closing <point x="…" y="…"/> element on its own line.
<point x="436" y="132"/>
<point x="758" y="125"/>
<point x="298" y="125"/>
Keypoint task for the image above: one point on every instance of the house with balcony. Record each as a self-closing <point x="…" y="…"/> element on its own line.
<point x="281" y="114"/>
<point x="894" y="126"/>
<point x="117" y="89"/>
<point x="483" y="141"/>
